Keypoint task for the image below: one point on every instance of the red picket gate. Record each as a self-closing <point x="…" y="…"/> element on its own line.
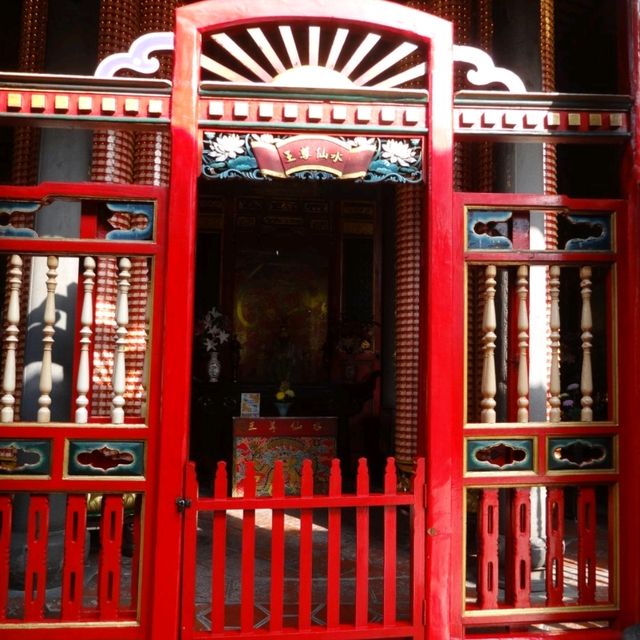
<point x="264" y="566"/>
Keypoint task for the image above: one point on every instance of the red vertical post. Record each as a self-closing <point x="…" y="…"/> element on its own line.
<point x="5" y="546"/>
<point x="440" y="399"/>
<point x="73" y="569"/>
<point x="306" y="549"/>
<point x="110" y="556"/>
<point x="219" y="551"/>
<point x="36" y="564"/>
<point x="277" y="551"/>
<point x="418" y="586"/>
<point x="519" y="562"/>
<point x="586" y="545"/>
<point x="390" y="545"/>
<point x="334" y="550"/>
<point x="362" y="547"/>
<point x="488" y="527"/>
<point x="628" y="356"/>
<point x="248" y="553"/>
<point x="555" y="553"/>
<point x="173" y="422"/>
<point x="136" y="534"/>
<point x="190" y="553"/>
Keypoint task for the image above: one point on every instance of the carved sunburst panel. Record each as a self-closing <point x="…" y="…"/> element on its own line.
<point x="310" y="55"/>
<point x="315" y="55"/>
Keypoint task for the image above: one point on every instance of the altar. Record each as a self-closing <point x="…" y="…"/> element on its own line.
<point x="264" y="440"/>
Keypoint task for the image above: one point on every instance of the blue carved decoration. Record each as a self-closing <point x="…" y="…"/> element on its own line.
<point x="499" y="455"/>
<point x="595" y="233"/>
<point x="579" y="453"/>
<point x="90" y="458"/>
<point x="145" y="209"/>
<point x="487" y="229"/>
<point x="396" y="161"/>
<point x="230" y="155"/>
<point x="13" y="206"/>
<point x="25" y="457"/>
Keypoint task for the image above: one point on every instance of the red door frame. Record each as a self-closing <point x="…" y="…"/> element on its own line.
<point x="629" y="349"/>
<point x="441" y="361"/>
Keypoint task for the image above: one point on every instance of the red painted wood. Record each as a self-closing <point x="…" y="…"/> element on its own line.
<point x="441" y="364"/>
<point x="334" y="549"/>
<point x="418" y="516"/>
<point x="538" y="257"/>
<point x="5" y="547"/>
<point x="106" y="190"/>
<point x="554" y="577"/>
<point x="219" y="553"/>
<point x="390" y="545"/>
<point x="136" y="533"/>
<point x="36" y="563"/>
<point x="190" y="547"/>
<point x="440" y="286"/>
<point x="73" y="568"/>
<point x="488" y="530"/>
<point x="586" y="545"/>
<point x="628" y="325"/>
<point x="78" y="632"/>
<point x="362" y="547"/>
<point x="518" y="554"/>
<point x="177" y="283"/>
<point x="614" y="544"/>
<point x="248" y="552"/>
<point x="373" y="630"/>
<point x="591" y="634"/>
<point x="306" y="549"/>
<point x="277" y="552"/>
<point x="309" y="502"/>
<point x="109" y="564"/>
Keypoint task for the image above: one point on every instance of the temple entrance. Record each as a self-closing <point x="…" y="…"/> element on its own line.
<point x="289" y="316"/>
<point x="315" y="388"/>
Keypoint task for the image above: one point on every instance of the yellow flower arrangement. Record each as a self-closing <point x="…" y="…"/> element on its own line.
<point x="285" y="393"/>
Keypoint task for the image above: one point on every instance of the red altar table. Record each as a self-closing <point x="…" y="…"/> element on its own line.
<point x="292" y="440"/>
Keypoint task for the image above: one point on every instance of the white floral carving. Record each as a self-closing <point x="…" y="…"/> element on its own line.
<point x="398" y="152"/>
<point x="226" y="146"/>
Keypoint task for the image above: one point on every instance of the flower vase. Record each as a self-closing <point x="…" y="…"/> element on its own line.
<point x="283" y="408"/>
<point x="213" y="369"/>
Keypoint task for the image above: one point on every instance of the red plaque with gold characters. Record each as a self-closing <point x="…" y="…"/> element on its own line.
<point x="292" y="440"/>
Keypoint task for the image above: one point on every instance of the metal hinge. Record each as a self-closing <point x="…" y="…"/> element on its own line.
<point x="182" y="504"/>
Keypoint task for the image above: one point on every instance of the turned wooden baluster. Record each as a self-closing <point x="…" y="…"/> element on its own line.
<point x="122" y="322"/>
<point x="86" y="320"/>
<point x="488" y="387"/>
<point x="554" y="327"/>
<point x="523" y="344"/>
<point x="11" y="339"/>
<point x="48" y="330"/>
<point x="586" y="325"/>
<point x="145" y="369"/>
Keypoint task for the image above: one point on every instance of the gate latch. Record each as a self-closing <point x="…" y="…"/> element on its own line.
<point x="182" y="504"/>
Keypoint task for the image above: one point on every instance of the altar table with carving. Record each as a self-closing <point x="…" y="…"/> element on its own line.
<point x="290" y="439"/>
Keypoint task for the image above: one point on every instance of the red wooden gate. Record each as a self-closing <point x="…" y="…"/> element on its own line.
<point x="304" y="564"/>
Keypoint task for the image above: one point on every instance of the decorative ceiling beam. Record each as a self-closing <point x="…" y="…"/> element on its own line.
<point x="45" y="100"/>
